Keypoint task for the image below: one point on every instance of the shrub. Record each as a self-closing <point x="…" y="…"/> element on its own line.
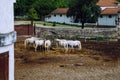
<point x="44" y="24"/>
<point x="54" y="24"/>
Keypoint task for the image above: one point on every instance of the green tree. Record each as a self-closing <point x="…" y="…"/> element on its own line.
<point x="84" y="11"/>
<point x="42" y="7"/>
<point x="117" y="0"/>
<point x="32" y="14"/>
<point x="61" y="3"/>
<point x="19" y="7"/>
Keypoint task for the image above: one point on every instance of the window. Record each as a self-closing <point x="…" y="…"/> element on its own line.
<point x="101" y="16"/>
<point x="60" y="15"/>
<point x="55" y="15"/>
<point x="49" y="16"/>
<point x="110" y="16"/>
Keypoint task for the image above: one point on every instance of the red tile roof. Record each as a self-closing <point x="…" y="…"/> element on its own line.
<point x="107" y="3"/>
<point x="108" y="11"/>
<point x="105" y="11"/>
<point x="100" y="3"/>
<point x="60" y="11"/>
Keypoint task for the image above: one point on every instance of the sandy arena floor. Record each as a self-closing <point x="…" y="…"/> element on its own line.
<point x="96" y="61"/>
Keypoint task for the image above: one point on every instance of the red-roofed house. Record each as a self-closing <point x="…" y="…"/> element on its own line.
<point x="107" y="4"/>
<point x="109" y="14"/>
<point x="59" y="15"/>
<point x="108" y="17"/>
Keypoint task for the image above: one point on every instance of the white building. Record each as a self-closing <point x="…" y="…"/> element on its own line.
<point x="7" y="39"/>
<point x="109" y="14"/>
<point x="59" y="15"/>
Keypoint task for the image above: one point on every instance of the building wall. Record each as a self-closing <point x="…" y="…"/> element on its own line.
<point x="7" y="26"/>
<point x="101" y="21"/>
<point x="58" y="18"/>
<point x="106" y="21"/>
<point x="6" y="16"/>
<point x="61" y="19"/>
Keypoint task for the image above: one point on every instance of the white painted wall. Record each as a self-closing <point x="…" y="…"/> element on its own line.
<point x="105" y="20"/>
<point x="7" y="26"/>
<point x="6" y="16"/>
<point x="60" y="19"/>
<point x="101" y="21"/>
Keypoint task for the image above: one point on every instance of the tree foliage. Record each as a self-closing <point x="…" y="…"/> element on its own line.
<point x="117" y="0"/>
<point x="23" y="6"/>
<point x="32" y="14"/>
<point x="42" y="7"/>
<point x="84" y="11"/>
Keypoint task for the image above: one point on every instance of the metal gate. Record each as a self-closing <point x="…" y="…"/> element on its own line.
<point x="4" y="63"/>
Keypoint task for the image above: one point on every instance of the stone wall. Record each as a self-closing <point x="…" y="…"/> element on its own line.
<point x="87" y="32"/>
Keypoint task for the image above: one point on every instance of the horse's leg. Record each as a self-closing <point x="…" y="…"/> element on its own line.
<point x="56" y="44"/>
<point x="36" y="48"/>
<point x="66" y="48"/>
<point x="25" y="43"/>
<point x="79" y="47"/>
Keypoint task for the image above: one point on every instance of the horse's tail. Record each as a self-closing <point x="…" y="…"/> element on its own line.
<point x="25" y="43"/>
<point x="45" y="44"/>
<point x="80" y="46"/>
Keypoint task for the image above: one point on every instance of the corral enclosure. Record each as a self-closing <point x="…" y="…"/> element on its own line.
<point x="96" y="61"/>
<point x="28" y="29"/>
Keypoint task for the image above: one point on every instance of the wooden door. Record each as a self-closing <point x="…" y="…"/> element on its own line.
<point x="4" y="66"/>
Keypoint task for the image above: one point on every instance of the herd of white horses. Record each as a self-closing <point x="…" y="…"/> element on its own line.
<point x="47" y="44"/>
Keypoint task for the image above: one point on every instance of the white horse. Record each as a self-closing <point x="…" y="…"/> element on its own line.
<point x="30" y="41"/>
<point x="42" y="43"/>
<point x="47" y="44"/>
<point x="63" y="43"/>
<point x="58" y="40"/>
<point x="73" y="43"/>
<point x="39" y="43"/>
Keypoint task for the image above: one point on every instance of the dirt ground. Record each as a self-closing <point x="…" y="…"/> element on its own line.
<point x="96" y="61"/>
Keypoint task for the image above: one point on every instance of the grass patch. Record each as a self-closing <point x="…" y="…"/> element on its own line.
<point x="53" y="24"/>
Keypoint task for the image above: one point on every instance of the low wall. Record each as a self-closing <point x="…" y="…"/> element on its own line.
<point x="87" y="32"/>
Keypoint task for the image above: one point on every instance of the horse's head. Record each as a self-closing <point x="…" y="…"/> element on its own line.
<point x="57" y="39"/>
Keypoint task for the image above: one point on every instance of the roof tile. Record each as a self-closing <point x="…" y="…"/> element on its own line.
<point x="109" y="11"/>
<point x="107" y="3"/>
<point x="60" y="11"/>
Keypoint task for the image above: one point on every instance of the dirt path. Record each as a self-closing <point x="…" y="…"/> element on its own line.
<point x="91" y="63"/>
